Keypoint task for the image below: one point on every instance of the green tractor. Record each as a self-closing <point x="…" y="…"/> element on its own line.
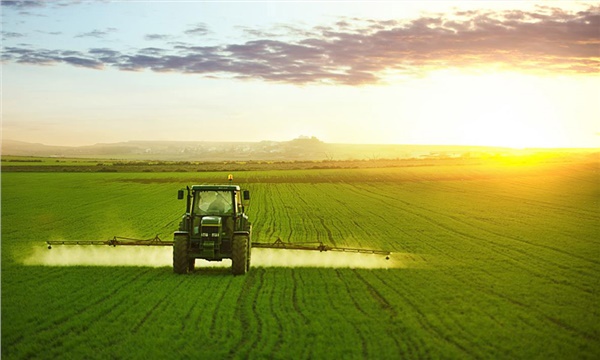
<point x="214" y="227"/>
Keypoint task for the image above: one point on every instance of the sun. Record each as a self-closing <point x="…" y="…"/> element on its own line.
<point x="500" y="109"/>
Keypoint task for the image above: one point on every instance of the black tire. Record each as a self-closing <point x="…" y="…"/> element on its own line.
<point x="249" y="247"/>
<point x="180" y="254"/>
<point x="239" y="255"/>
<point x="248" y="256"/>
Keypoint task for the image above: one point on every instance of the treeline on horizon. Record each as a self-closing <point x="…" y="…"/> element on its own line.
<point x="43" y="164"/>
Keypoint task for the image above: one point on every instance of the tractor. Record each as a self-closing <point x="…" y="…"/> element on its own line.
<point x="214" y="227"/>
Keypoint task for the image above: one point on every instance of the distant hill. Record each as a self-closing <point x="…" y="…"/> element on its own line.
<point x="302" y="148"/>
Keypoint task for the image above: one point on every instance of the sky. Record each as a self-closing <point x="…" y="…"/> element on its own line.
<point x="508" y="73"/>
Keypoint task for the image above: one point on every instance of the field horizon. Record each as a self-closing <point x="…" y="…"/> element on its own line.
<point x="301" y="148"/>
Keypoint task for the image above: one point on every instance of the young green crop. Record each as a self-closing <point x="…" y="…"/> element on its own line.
<point x="498" y="262"/>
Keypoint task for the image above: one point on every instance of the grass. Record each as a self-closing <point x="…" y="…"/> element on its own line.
<point x="501" y="261"/>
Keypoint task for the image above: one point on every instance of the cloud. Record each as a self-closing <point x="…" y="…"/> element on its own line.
<point x="12" y="35"/>
<point x="22" y="4"/>
<point x="50" y="57"/>
<point x="355" y="51"/>
<point x="197" y="30"/>
<point x="97" y="33"/>
<point x="157" y="37"/>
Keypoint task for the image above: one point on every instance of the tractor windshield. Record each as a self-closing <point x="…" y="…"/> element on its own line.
<point x="213" y="202"/>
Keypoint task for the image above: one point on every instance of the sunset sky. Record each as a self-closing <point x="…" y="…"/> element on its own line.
<point x="510" y="73"/>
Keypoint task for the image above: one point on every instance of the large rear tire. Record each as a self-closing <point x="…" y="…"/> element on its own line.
<point x="180" y="254"/>
<point x="249" y="256"/>
<point x="239" y="256"/>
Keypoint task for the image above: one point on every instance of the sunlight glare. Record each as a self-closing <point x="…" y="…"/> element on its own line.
<point x="494" y="109"/>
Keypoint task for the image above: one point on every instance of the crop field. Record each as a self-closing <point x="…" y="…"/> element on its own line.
<point x="496" y="260"/>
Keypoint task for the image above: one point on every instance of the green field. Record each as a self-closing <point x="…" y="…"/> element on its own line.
<point x="491" y="260"/>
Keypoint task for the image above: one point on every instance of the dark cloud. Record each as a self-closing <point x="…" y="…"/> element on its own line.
<point x="198" y="30"/>
<point x="21" y="4"/>
<point x="12" y="35"/>
<point x="358" y="51"/>
<point x="97" y="33"/>
<point x="24" y="5"/>
<point x="157" y="37"/>
<point x="83" y="62"/>
<point x="50" y="57"/>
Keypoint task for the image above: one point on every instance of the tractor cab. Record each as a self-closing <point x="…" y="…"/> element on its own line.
<point x="215" y="207"/>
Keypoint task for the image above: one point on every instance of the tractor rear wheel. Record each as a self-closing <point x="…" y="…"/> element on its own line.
<point x="249" y="255"/>
<point x="239" y="256"/>
<point x="180" y="254"/>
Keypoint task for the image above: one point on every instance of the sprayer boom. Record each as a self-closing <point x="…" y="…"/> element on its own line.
<point x="121" y="241"/>
<point x="278" y="244"/>
<point x="315" y="245"/>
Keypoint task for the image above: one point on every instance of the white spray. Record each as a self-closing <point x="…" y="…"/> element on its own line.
<point x="77" y="255"/>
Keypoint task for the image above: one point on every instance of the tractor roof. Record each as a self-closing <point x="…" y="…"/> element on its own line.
<point x="215" y="188"/>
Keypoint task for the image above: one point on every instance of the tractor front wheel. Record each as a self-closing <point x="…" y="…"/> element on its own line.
<point x="180" y="254"/>
<point x="239" y="256"/>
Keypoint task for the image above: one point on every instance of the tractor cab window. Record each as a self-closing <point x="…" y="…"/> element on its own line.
<point x="213" y="203"/>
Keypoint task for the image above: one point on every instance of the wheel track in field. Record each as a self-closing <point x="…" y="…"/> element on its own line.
<point x="213" y="320"/>
<point x="206" y="303"/>
<point x="149" y="313"/>
<point x="287" y="216"/>
<point x="307" y="220"/>
<point x="329" y="234"/>
<point x="531" y="202"/>
<point x="383" y="303"/>
<point x="580" y="213"/>
<point x="273" y="305"/>
<point x="540" y="274"/>
<point x="255" y="313"/>
<point x="349" y="291"/>
<point x="295" y="305"/>
<point x="361" y="192"/>
<point x="504" y="195"/>
<point x="540" y="314"/>
<point x="361" y="240"/>
<point x="80" y="296"/>
<point x="500" y="248"/>
<point x="58" y="323"/>
<point x="505" y="249"/>
<point x="272" y="226"/>
<point x="248" y="295"/>
<point x="364" y="346"/>
<point x="343" y="315"/>
<point x="422" y="319"/>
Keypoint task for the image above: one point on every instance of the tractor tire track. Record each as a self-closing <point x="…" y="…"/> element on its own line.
<point x="342" y="314"/>
<point x="329" y="234"/>
<point x="149" y="313"/>
<point x="249" y="295"/>
<point x="62" y="320"/>
<point x="213" y="322"/>
<point x="422" y="319"/>
<point x="497" y="247"/>
<point x="295" y="303"/>
<point x="384" y="304"/>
